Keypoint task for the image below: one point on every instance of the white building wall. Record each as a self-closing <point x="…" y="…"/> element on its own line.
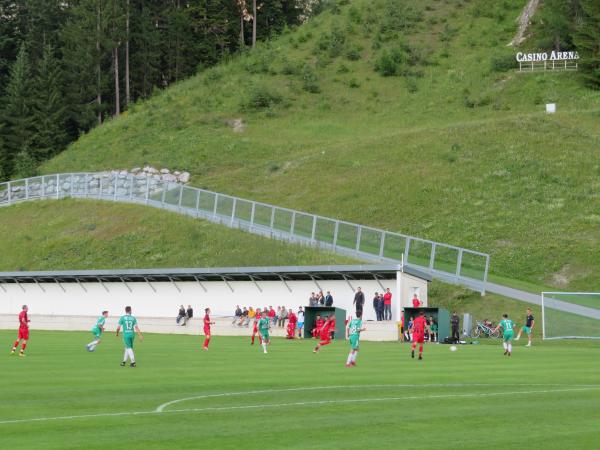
<point x="74" y="301"/>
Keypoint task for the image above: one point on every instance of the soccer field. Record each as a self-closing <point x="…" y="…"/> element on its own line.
<point x="233" y="396"/>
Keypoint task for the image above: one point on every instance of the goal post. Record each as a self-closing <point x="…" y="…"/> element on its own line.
<point x="570" y="315"/>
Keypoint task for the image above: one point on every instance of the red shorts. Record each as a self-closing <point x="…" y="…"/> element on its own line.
<point x="419" y="338"/>
<point x="24" y="333"/>
<point x="206" y="330"/>
<point x="255" y="329"/>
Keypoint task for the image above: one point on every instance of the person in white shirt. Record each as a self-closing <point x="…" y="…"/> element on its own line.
<point x="300" y="321"/>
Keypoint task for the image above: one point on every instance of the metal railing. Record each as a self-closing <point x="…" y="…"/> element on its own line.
<point x="442" y="261"/>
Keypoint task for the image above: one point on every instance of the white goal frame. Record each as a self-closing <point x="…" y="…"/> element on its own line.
<point x="548" y="293"/>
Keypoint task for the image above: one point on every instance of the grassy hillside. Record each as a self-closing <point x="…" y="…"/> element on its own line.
<point x="409" y="118"/>
<point x="96" y="235"/>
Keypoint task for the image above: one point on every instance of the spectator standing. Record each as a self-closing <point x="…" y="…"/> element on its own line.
<point x="376" y="305"/>
<point x="300" y="316"/>
<point x="416" y="302"/>
<point x="181" y="315"/>
<point x="321" y="299"/>
<point x="328" y="299"/>
<point x="409" y="330"/>
<point x="282" y="317"/>
<point x="380" y="306"/>
<point x="359" y="301"/>
<point x="244" y="317"/>
<point x="455" y="322"/>
<point x="387" y="305"/>
<point x="312" y="300"/>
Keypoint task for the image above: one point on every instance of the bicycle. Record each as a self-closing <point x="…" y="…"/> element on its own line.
<point x="483" y="329"/>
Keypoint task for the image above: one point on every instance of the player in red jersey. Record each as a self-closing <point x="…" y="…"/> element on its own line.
<point x="418" y="333"/>
<point x="23" y="332"/>
<point x="316" y="331"/>
<point x="255" y="326"/>
<point x="207" y="324"/>
<point x="326" y="333"/>
<point x="291" y="327"/>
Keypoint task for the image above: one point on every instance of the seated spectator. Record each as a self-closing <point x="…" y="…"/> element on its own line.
<point x="316" y="331"/>
<point x="408" y="334"/>
<point x="237" y="315"/>
<point x="181" y="315"/>
<point x="282" y="317"/>
<point x="189" y="313"/>
<point x="291" y="327"/>
<point x="250" y="317"/>
<point x="328" y="299"/>
<point x="272" y="315"/>
<point x="434" y="329"/>
<point x="243" y="318"/>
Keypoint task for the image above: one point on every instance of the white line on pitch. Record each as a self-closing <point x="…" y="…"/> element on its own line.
<point x="308" y="403"/>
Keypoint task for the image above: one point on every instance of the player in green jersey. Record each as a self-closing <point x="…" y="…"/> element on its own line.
<point x="129" y="324"/>
<point x="263" y="327"/>
<point x="97" y="331"/>
<point x="353" y="333"/>
<point x="508" y="333"/>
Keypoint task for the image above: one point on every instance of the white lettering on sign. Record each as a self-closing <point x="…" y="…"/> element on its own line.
<point x="544" y="56"/>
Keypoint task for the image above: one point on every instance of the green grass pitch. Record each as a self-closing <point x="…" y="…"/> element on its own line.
<point x="546" y="396"/>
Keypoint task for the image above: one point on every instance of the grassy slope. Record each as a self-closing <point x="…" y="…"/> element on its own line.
<point x="58" y="378"/>
<point x="501" y="177"/>
<point x="93" y="235"/>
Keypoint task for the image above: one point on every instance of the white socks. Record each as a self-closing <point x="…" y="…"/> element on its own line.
<point x="264" y="346"/>
<point x="509" y="347"/>
<point x="505" y="345"/>
<point x="129" y="354"/>
<point x="351" y="357"/>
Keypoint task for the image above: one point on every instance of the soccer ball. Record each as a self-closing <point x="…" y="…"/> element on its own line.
<point x="453" y="348"/>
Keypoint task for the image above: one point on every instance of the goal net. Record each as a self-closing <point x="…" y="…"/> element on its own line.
<point x="571" y="315"/>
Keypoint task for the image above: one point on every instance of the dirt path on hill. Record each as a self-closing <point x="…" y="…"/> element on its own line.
<point x="524" y="20"/>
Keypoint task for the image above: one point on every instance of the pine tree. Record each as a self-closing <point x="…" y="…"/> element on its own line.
<point x="587" y="39"/>
<point x="49" y="110"/>
<point x="145" y="49"/>
<point x="16" y="115"/>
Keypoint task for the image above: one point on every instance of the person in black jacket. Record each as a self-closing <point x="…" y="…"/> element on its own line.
<point x="328" y="299"/>
<point x="455" y="322"/>
<point x="181" y="315"/>
<point x="189" y="313"/>
<point x="359" y="301"/>
<point x="376" y="305"/>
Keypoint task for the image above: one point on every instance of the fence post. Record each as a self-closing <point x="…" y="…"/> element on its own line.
<point x="71" y="183"/>
<point x="180" y="196"/>
<point x="131" y="179"/>
<point x="233" y="210"/>
<point x="485" y="274"/>
<point x="57" y="187"/>
<point x="272" y="218"/>
<point x="382" y="244"/>
<point x="116" y="184"/>
<point x="432" y="257"/>
<point x="407" y="249"/>
<point x="198" y="202"/>
<point x="314" y="229"/>
<point x="252" y="213"/>
<point x="358" y="236"/>
<point x="9" y="192"/>
<point x="85" y="185"/>
<point x="147" y="188"/>
<point x="459" y="263"/>
<point x="164" y="193"/>
<point x="43" y="195"/>
<point x="215" y="205"/>
<point x="26" y="188"/>
<point x="293" y="223"/>
<point x="335" y="233"/>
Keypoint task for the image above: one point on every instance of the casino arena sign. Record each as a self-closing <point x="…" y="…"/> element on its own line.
<point x="554" y="60"/>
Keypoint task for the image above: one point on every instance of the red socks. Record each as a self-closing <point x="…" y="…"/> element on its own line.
<point x="206" y="341"/>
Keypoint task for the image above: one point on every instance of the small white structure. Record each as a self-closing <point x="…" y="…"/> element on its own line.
<point x="550" y="108"/>
<point x="72" y="300"/>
